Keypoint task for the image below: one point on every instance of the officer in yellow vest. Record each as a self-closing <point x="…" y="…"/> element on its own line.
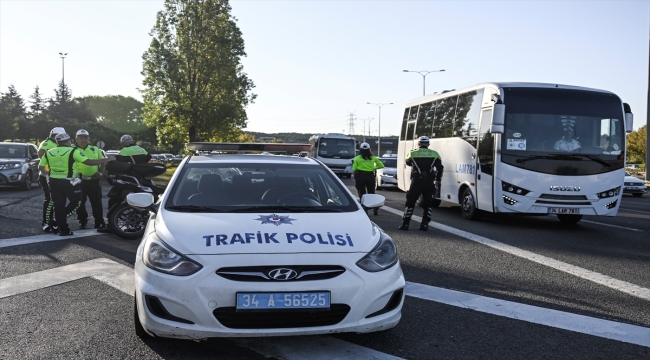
<point x="42" y="180"/>
<point x="61" y="164"/>
<point x="90" y="187"/>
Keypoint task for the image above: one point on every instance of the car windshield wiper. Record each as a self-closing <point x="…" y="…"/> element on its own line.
<point x="192" y="208"/>
<point x="564" y="157"/>
<point x="286" y="208"/>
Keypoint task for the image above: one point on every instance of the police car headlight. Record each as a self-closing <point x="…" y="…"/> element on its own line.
<point x="12" y="166"/>
<point x="382" y="257"/>
<point x="161" y="257"/>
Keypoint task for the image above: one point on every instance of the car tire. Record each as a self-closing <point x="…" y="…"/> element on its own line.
<point x="637" y="195"/>
<point x="130" y="211"/>
<point x="139" y="329"/>
<point x="568" y="218"/>
<point x="27" y="184"/>
<point x="468" y="206"/>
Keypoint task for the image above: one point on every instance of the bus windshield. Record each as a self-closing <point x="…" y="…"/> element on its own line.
<point x="336" y="148"/>
<point x="563" y="132"/>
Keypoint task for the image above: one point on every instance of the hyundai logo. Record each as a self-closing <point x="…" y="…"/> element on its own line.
<point x="282" y="274"/>
<point x="565" y="188"/>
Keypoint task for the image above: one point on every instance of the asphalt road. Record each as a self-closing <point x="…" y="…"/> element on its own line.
<point x="86" y="318"/>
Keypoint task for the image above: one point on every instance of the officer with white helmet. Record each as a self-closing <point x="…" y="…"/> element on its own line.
<point x="90" y="187"/>
<point x="364" y="166"/>
<point x="49" y="143"/>
<point x="61" y="164"/>
<point x="424" y="180"/>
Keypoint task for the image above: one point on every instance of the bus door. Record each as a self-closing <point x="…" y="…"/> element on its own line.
<point x="485" y="163"/>
<point x="409" y="144"/>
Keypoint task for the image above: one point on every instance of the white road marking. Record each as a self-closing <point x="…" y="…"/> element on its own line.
<point x="558" y="319"/>
<point x="610" y="225"/>
<point x="121" y="277"/>
<point x="596" y="277"/>
<point x="105" y="270"/>
<point x="46" y="237"/>
<point x="311" y="347"/>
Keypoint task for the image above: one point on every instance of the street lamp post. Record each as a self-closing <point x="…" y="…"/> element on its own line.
<point x="424" y="74"/>
<point x="63" y="67"/>
<point x="379" y="125"/>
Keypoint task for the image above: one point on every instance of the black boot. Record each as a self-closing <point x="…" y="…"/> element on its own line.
<point x="406" y="219"/>
<point x="426" y="217"/>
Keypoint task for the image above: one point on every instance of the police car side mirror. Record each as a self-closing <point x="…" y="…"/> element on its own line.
<point x="141" y="200"/>
<point x="371" y="201"/>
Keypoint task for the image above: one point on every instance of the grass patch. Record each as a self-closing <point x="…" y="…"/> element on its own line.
<point x="163" y="179"/>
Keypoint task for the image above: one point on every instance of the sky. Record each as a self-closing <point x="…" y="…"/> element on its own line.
<point x="314" y="63"/>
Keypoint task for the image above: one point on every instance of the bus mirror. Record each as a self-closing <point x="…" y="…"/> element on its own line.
<point x="496" y="129"/>
<point x="629" y="122"/>
<point x="499" y="115"/>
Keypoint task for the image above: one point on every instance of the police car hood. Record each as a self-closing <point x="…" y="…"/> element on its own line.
<point x="266" y="232"/>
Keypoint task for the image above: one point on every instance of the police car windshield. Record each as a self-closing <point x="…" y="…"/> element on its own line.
<point x="389" y="163"/>
<point x="258" y="187"/>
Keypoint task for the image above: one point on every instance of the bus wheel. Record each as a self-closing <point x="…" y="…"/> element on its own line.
<point x="468" y="206"/>
<point x="569" y="219"/>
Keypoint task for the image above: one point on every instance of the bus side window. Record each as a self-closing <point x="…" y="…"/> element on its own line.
<point x="410" y="129"/>
<point x="486" y="143"/>
<point x="468" y="111"/>
<point x="424" y="125"/>
<point x="443" y="120"/>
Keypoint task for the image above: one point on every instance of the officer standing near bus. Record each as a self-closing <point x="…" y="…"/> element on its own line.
<point x="50" y="143"/>
<point x="424" y="181"/>
<point x="90" y="187"/>
<point x="364" y="167"/>
<point x="61" y="164"/>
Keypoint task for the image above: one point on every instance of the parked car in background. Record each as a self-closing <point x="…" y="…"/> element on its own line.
<point x="177" y="159"/>
<point x="387" y="177"/>
<point x="633" y="167"/>
<point x="18" y="164"/>
<point x="633" y="186"/>
<point x="168" y="158"/>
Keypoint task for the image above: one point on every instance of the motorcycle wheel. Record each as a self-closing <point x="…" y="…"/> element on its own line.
<point x="128" y="222"/>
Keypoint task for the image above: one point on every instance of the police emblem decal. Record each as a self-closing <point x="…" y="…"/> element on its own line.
<point x="275" y="219"/>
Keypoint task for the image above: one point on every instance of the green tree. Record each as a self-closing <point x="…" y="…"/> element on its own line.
<point x="194" y="86"/>
<point x="13" y="112"/>
<point x="116" y="112"/>
<point x="636" y="145"/>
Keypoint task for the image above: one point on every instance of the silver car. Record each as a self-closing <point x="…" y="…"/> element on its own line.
<point x="387" y="177"/>
<point x="18" y="164"/>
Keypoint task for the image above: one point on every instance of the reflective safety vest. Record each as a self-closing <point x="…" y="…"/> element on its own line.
<point x="91" y="152"/>
<point x="62" y="161"/>
<point x="370" y="165"/>
<point x="47" y="145"/>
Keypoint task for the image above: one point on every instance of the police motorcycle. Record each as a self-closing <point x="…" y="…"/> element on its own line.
<point x="126" y="178"/>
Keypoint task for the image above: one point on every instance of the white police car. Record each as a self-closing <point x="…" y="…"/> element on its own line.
<point x="257" y="245"/>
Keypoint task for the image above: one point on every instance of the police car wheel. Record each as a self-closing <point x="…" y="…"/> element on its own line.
<point x="468" y="206"/>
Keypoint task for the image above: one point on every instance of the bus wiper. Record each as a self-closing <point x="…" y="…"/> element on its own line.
<point x="192" y="208"/>
<point x="564" y="157"/>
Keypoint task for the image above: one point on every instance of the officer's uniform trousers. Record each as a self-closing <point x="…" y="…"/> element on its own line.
<point x="91" y="190"/>
<point x="47" y="201"/>
<point x="60" y="191"/>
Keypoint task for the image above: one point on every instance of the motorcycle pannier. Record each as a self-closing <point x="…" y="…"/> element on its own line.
<point x="149" y="169"/>
<point x="119" y="167"/>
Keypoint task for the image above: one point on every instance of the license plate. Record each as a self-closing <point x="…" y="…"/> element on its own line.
<point x="288" y="300"/>
<point x="563" y="211"/>
<point x="632" y="188"/>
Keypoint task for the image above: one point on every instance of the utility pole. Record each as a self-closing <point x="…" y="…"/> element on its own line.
<point x="63" y="67"/>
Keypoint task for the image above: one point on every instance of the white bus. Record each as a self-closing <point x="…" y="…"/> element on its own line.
<point x="523" y="148"/>
<point x="334" y="150"/>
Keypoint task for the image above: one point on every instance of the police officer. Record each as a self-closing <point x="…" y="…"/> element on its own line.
<point x="62" y="164"/>
<point x="48" y="223"/>
<point x="90" y="187"/>
<point x="364" y="166"/>
<point x="424" y="181"/>
<point x="131" y="152"/>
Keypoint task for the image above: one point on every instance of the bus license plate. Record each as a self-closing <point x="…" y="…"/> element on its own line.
<point x="563" y="211"/>
<point x="289" y="300"/>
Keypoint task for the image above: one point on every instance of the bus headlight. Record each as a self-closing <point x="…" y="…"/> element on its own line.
<point x="609" y="193"/>
<point x="513" y="189"/>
